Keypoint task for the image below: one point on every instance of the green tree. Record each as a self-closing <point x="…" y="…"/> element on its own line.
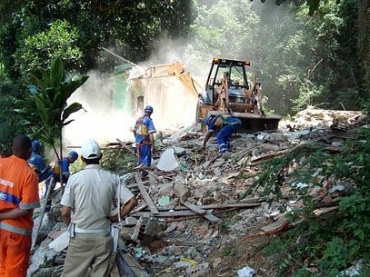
<point x="220" y="29"/>
<point x="33" y="32"/>
<point x="132" y="28"/>
<point x="45" y="110"/>
<point x="9" y="124"/>
<point x="364" y="44"/>
<point x="58" y="41"/>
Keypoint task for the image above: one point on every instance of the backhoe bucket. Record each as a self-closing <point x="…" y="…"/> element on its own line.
<point x="252" y="124"/>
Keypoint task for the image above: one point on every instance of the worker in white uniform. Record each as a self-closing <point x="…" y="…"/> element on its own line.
<point x="87" y="202"/>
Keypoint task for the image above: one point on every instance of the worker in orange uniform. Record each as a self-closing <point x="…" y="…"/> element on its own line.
<point x="19" y="196"/>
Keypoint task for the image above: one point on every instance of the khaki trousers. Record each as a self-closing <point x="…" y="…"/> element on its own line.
<point x="88" y="250"/>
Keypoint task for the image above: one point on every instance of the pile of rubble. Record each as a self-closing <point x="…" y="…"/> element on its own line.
<point x="194" y="201"/>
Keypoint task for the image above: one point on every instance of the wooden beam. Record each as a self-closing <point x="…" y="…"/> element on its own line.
<point x="216" y="206"/>
<point x="134" y="265"/>
<point x="124" y="145"/>
<point x="199" y="210"/>
<point x="211" y="217"/>
<point x="146" y="196"/>
<point x="167" y="214"/>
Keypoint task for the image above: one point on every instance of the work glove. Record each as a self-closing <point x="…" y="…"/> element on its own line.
<point x="55" y="167"/>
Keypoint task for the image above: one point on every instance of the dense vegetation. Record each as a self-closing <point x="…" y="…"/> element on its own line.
<point x="305" y="52"/>
<point x="325" y="243"/>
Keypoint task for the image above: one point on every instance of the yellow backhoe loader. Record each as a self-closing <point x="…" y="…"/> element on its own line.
<point x="228" y="91"/>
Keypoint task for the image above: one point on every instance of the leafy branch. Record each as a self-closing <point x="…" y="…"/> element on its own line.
<point x="45" y="110"/>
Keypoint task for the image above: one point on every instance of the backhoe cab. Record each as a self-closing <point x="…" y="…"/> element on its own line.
<point x="228" y="91"/>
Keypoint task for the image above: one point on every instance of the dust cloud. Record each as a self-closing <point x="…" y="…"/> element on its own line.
<point x="104" y="119"/>
<point x="99" y="119"/>
<point x="174" y="103"/>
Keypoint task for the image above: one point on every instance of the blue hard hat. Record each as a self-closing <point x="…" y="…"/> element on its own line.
<point x="73" y="154"/>
<point x="36" y="145"/>
<point x="148" y="109"/>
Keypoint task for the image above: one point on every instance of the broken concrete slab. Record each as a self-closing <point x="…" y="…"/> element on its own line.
<point x="60" y="243"/>
<point x="168" y="161"/>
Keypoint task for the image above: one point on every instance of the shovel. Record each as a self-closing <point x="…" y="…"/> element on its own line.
<point x="42" y="213"/>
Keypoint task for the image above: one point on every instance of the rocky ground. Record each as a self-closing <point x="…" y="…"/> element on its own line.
<point x="194" y="216"/>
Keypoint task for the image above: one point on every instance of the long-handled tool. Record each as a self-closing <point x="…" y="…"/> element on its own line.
<point x="42" y="213"/>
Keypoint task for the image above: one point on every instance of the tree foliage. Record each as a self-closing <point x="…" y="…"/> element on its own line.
<point x="221" y="29"/>
<point x="300" y="49"/>
<point x="37" y="50"/>
<point x="364" y="44"/>
<point x="76" y="30"/>
<point x="34" y="32"/>
<point x="330" y="242"/>
<point x="9" y="125"/>
<point x="44" y="110"/>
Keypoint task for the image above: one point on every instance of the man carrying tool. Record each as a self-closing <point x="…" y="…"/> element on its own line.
<point x="37" y="163"/>
<point x="19" y="196"/>
<point x="227" y="125"/>
<point x="89" y="195"/>
<point x="144" y="138"/>
<point x="53" y="180"/>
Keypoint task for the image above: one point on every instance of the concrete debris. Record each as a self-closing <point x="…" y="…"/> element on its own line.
<point x="353" y="271"/>
<point x="195" y="201"/>
<point x="246" y="272"/>
<point x="167" y="161"/>
<point x="198" y="271"/>
<point x="47" y="224"/>
<point x="43" y="257"/>
<point x="60" y="243"/>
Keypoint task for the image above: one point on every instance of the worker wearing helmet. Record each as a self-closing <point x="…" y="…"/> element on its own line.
<point x="86" y="206"/>
<point x="227" y="125"/>
<point x="144" y="138"/>
<point x="37" y="163"/>
<point x="57" y="167"/>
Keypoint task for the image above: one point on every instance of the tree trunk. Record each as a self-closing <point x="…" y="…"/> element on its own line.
<point x="61" y="158"/>
<point x="364" y="43"/>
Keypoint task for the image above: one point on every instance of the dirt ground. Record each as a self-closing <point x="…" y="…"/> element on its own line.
<point x="237" y="255"/>
<point x="226" y="260"/>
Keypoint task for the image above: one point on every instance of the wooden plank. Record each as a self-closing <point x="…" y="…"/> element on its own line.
<point x="208" y="215"/>
<point x="193" y="207"/>
<point x="230" y="205"/>
<point x="146" y="196"/>
<point x="134" y="265"/>
<point x="217" y="206"/>
<point x="178" y="212"/>
<point x="277" y="225"/>
<point x="122" y="265"/>
<point x="167" y="214"/>
<point x="270" y="229"/>
<point x="325" y="210"/>
<point x="124" y="145"/>
<point x="198" y="210"/>
<point x="211" y="217"/>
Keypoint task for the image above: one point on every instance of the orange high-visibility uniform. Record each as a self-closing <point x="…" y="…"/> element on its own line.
<point x="18" y="189"/>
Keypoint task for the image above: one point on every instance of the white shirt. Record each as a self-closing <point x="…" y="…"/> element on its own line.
<point x="89" y="193"/>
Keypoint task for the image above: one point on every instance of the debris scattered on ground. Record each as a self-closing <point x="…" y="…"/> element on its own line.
<point x="192" y="201"/>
